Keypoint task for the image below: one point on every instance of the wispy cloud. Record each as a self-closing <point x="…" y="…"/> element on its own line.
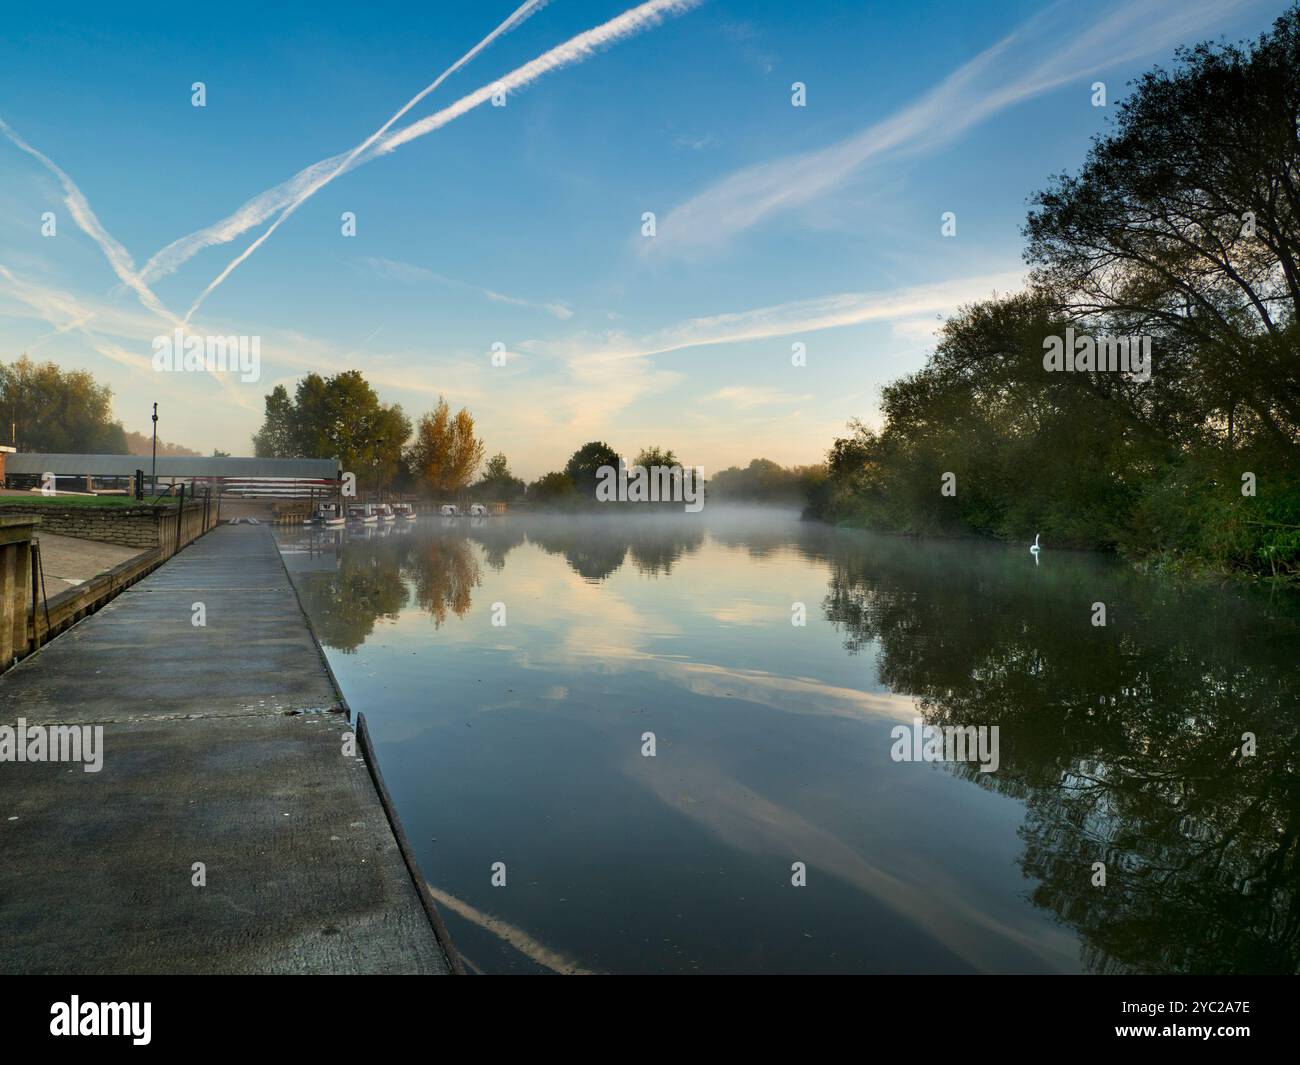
<point x="749" y="397"/>
<point x="603" y="375"/>
<point x="408" y="272"/>
<point x="799" y="317"/>
<point x="748" y="38"/>
<point x="124" y="335"/>
<point x="695" y="143"/>
<point x="68" y="314"/>
<point x="1042" y="54"/>
<point x="71" y="314"/>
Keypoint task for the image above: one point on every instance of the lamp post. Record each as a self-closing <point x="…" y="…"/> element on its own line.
<point x="153" y="472"/>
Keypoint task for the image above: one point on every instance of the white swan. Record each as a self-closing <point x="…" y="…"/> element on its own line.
<point x="1035" y="549"/>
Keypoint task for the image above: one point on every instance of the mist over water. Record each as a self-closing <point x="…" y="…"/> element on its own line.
<point x="522" y="743"/>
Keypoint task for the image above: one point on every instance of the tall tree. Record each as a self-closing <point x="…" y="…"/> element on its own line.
<point x="277" y="438"/>
<point x="45" y="408"/>
<point x="764" y="481"/>
<point x="336" y="417"/>
<point x="446" y="454"/>
<point x="655" y="456"/>
<point x="141" y="444"/>
<point x="498" y="482"/>
<point x="1184" y="223"/>
<point x="585" y="462"/>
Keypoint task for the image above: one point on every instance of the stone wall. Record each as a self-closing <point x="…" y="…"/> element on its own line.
<point x="129" y="526"/>
<point x="143" y="526"/>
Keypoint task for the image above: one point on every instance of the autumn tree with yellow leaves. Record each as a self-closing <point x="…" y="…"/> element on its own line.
<point x="445" y="455"/>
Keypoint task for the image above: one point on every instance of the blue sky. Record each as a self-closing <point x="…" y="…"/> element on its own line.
<point x="521" y="225"/>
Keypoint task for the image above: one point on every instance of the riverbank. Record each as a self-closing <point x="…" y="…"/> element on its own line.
<point x="1167" y="563"/>
<point x="231" y="827"/>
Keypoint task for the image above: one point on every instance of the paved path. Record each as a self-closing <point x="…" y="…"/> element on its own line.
<point x="69" y="561"/>
<point x="222" y="745"/>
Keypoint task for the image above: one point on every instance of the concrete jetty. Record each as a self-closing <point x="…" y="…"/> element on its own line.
<point x="222" y="744"/>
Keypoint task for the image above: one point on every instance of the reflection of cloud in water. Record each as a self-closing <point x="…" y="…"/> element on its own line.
<point x="600" y="622"/>
<point x="794" y="695"/>
<point x="743" y="612"/>
<point x="925" y="896"/>
<point x="605" y="626"/>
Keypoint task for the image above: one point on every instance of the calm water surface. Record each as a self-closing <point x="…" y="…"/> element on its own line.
<point x="522" y="743"/>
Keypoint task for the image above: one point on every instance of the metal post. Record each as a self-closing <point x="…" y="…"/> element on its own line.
<point x="34" y="554"/>
<point x="153" y="473"/>
<point x="180" y="513"/>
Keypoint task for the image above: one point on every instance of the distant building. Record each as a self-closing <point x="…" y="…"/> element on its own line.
<point x="251" y="478"/>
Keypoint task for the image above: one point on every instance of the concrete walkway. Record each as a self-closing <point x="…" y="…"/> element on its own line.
<point x="69" y="561"/>
<point x="222" y="745"/>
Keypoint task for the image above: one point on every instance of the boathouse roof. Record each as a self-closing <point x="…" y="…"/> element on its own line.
<point x="185" y="466"/>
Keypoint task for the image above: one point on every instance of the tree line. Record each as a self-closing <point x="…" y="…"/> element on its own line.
<point x="44" y="408"/>
<point x="1182" y="226"/>
<point x="49" y="409"/>
<point x="342" y="417"/>
<point x="762" y="481"/>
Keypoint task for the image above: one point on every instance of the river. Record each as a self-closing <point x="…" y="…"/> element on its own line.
<point x="672" y="745"/>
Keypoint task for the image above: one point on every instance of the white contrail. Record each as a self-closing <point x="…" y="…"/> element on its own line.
<point x="518" y="16"/>
<point x="264" y="204"/>
<point x="118" y="257"/>
<point x="575" y="50"/>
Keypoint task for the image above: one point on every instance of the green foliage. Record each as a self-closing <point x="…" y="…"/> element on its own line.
<point x="336" y="417"/>
<point x="278" y="437"/>
<point x="1194" y="515"/>
<point x="498" y="483"/>
<point x="1183" y="225"/>
<point x="140" y="444"/>
<point x="764" y="481"/>
<point x="656" y="456"/>
<point x="553" y="489"/>
<point x="583" y="464"/>
<point x="44" y="408"/>
<point x="1058" y="455"/>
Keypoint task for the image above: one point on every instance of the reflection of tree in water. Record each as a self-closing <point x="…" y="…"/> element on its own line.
<point x="344" y="604"/>
<point x="589" y="548"/>
<point x="657" y="546"/>
<point x="1123" y="741"/>
<point x="498" y="539"/>
<point x="597" y="547"/>
<point x="760" y="540"/>
<point x="445" y="571"/>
